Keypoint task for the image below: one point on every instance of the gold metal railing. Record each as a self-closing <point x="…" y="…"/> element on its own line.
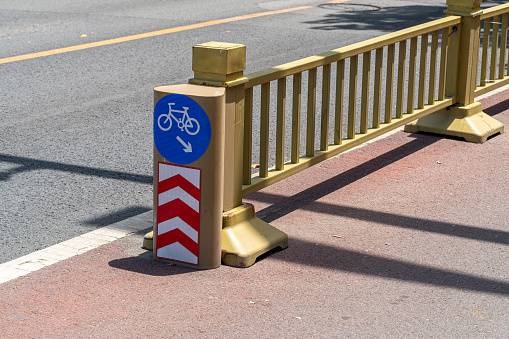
<point x="413" y="46"/>
<point x="494" y="54"/>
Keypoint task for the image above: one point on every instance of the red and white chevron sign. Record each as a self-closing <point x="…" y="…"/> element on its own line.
<point x="178" y="213"/>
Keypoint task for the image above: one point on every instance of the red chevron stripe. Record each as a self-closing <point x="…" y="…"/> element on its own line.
<point x="178" y="181"/>
<point x="178" y="208"/>
<point x="177" y="235"/>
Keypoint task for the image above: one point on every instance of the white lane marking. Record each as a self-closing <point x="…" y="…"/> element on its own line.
<point x="72" y="247"/>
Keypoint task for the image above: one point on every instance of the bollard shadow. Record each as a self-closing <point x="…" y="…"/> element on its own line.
<point x="320" y="255"/>
<point x="145" y="264"/>
<point x="30" y="164"/>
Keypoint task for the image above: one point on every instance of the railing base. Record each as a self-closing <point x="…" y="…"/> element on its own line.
<point x="148" y="241"/>
<point x="468" y="122"/>
<point x="246" y="237"/>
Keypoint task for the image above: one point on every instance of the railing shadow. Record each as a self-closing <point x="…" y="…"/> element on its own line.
<point x="311" y="254"/>
<point x="284" y="205"/>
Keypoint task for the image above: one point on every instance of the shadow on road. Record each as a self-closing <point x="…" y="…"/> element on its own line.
<point x="311" y="254"/>
<point x="30" y="164"/>
<point x="386" y="19"/>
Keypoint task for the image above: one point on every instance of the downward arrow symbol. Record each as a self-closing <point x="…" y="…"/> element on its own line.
<point x="187" y="146"/>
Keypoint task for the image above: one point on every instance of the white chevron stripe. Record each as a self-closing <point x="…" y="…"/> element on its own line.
<point x="178" y="252"/>
<point x="179" y="193"/>
<point x="167" y="171"/>
<point x="170" y="225"/>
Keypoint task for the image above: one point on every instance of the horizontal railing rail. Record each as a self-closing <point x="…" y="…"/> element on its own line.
<point x="377" y="113"/>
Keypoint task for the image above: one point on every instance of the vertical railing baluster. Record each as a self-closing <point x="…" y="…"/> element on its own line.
<point x="366" y="69"/>
<point x="377" y="90"/>
<point x="494" y="49"/>
<point x="503" y="46"/>
<point x="484" y="56"/>
<point x="324" y="131"/>
<point x="433" y="68"/>
<point x="401" y="79"/>
<point x="411" y="75"/>
<point x="264" y="130"/>
<point x="296" y="102"/>
<point x="443" y="63"/>
<point x="352" y="101"/>
<point x="280" y="124"/>
<point x="389" y="82"/>
<point x="248" y="137"/>
<point x="340" y="94"/>
<point x="310" y="135"/>
<point x="421" y="94"/>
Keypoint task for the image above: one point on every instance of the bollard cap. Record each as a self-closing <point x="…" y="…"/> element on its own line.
<point x="219" y="61"/>
<point x="463" y="7"/>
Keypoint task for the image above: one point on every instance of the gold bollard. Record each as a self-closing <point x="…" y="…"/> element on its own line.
<point x="465" y="119"/>
<point x="245" y="237"/>
<point x="188" y="175"/>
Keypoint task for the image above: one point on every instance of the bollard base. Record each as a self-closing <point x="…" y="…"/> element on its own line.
<point x="148" y="241"/>
<point x="468" y="122"/>
<point x="246" y="237"/>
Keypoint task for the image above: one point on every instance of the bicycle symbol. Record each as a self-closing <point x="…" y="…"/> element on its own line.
<point x="191" y="125"/>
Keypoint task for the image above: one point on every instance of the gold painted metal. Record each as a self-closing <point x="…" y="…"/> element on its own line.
<point x="421" y="93"/>
<point x="311" y="112"/>
<point x="411" y="76"/>
<point x="433" y="68"/>
<point x="503" y="46"/>
<point x="248" y="137"/>
<point x="494" y="50"/>
<point x="494" y="11"/>
<point x="280" y="124"/>
<point x="324" y="130"/>
<point x="444" y="53"/>
<point x="245" y="237"/>
<point x="218" y="61"/>
<point x="466" y="119"/>
<point x="264" y="129"/>
<point x="338" y="110"/>
<point x="401" y="79"/>
<point x="485" y="44"/>
<point x="306" y="162"/>
<point x="377" y="90"/>
<point x="296" y="109"/>
<point x="352" y="101"/>
<point x="148" y="241"/>
<point x="389" y="83"/>
<point x="366" y="70"/>
<point x="468" y="122"/>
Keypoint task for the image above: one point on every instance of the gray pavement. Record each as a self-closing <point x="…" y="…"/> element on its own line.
<point x="405" y="237"/>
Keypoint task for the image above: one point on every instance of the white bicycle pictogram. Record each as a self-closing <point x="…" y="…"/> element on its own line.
<point x="191" y="125"/>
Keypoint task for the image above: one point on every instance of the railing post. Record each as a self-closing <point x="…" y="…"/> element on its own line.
<point x="465" y="118"/>
<point x="244" y="237"/>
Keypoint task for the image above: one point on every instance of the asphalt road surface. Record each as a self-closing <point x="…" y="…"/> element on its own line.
<point x="76" y="127"/>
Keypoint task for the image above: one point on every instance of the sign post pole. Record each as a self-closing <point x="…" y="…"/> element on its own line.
<point x="189" y="140"/>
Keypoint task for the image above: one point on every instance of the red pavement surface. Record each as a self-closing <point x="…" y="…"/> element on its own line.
<point x="405" y="237"/>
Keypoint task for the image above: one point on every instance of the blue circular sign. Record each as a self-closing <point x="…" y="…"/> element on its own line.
<point x="181" y="129"/>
